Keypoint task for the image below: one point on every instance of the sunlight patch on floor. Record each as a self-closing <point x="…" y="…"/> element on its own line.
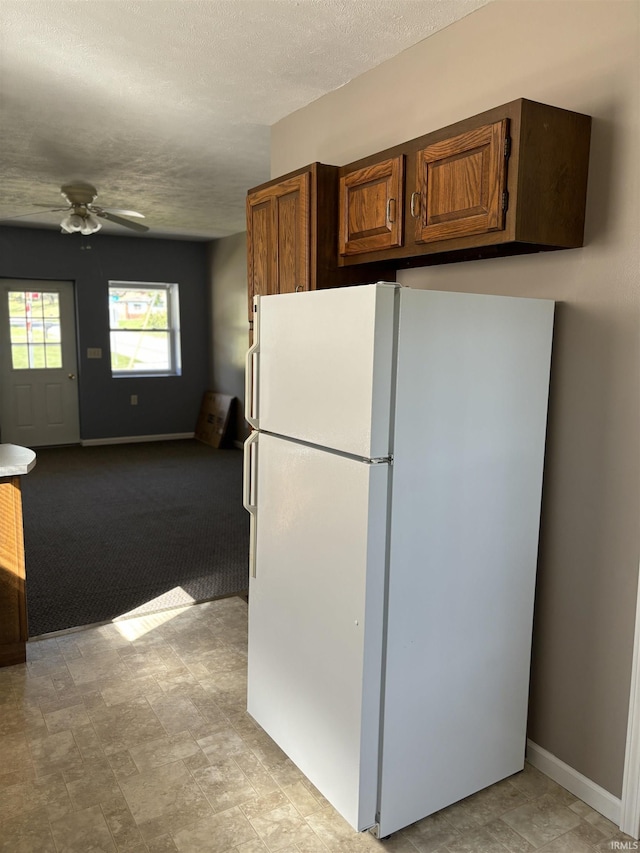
<point x="138" y="622"/>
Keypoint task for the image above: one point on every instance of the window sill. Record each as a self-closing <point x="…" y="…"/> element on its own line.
<point x="144" y="375"/>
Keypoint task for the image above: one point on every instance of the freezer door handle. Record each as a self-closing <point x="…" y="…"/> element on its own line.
<point x="251" y="375"/>
<point x="248" y="497"/>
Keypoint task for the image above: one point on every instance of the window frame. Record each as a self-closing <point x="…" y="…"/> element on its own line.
<point x="172" y="290"/>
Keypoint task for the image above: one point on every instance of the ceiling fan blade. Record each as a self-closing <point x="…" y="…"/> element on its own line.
<point x="52" y="209"/>
<point x="21" y="215"/>
<point x="136" y="226"/>
<point x="122" y="212"/>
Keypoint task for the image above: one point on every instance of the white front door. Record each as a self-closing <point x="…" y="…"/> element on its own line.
<point x="38" y="363"/>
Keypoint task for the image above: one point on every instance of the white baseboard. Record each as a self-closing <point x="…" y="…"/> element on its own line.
<point x="630" y="817"/>
<point x="586" y="790"/>
<point x="132" y="439"/>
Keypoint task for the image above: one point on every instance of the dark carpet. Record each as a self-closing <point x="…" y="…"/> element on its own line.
<point x="109" y="529"/>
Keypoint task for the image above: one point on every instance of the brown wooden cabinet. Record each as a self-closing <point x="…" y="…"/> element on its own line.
<point x="511" y="180"/>
<point x="14" y="462"/>
<point x="13" y="608"/>
<point x="278" y="237"/>
<point x="508" y="181"/>
<point x="292" y="233"/>
<point x="371" y="207"/>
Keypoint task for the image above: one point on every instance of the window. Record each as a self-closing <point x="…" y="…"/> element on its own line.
<point x="34" y="323"/>
<point x="144" y="320"/>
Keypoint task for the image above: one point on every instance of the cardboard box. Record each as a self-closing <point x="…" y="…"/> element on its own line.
<point x="213" y="419"/>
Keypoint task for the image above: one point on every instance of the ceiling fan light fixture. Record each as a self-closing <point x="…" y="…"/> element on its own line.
<point x="85" y="224"/>
<point x="90" y="224"/>
<point x="82" y="214"/>
<point x="71" y="222"/>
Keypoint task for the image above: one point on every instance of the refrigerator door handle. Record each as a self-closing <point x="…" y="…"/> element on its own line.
<point x="251" y="384"/>
<point x="248" y="492"/>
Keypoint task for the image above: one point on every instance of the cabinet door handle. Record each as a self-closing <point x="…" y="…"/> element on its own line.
<point x="389" y="202"/>
<point x="415" y="199"/>
<point x="299" y="288"/>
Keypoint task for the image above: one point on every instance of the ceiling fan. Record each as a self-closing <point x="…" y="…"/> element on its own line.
<point x="82" y="214"/>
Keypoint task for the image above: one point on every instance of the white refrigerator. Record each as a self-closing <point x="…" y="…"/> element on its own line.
<point x="394" y="481"/>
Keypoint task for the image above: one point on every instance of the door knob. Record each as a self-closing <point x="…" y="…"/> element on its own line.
<point x="72" y="375"/>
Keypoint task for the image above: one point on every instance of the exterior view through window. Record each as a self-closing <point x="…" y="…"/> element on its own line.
<point x="34" y="322"/>
<point x="145" y="328"/>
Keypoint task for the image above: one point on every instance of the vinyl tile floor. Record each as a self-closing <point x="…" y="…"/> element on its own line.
<point x="133" y="736"/>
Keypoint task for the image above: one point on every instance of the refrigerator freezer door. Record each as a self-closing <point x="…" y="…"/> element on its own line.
<point x="325" y="367"/>
<point x="316" y="616"/>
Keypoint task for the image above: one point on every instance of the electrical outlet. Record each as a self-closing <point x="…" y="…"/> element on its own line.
<point x="134" y="399"/>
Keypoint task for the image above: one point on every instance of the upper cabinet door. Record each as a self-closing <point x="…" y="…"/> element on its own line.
<point x="278" y="238"/>
<point x="371" y="206"/>
<point x="261" y="257"/>
<point x="293" y="233"/>
<point x="461" y="184"/>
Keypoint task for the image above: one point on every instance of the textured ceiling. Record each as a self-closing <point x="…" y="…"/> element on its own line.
<point x="166" y="106"/>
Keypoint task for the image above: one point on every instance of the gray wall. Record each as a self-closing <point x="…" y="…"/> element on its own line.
<point x="228" y="282"/>
<point x="581" y="56"/>
<point x="166" y="405"/>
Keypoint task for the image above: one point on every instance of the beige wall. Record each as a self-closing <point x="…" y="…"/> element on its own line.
<point x="228" y="282"/>
<point x="581" y="56"/>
